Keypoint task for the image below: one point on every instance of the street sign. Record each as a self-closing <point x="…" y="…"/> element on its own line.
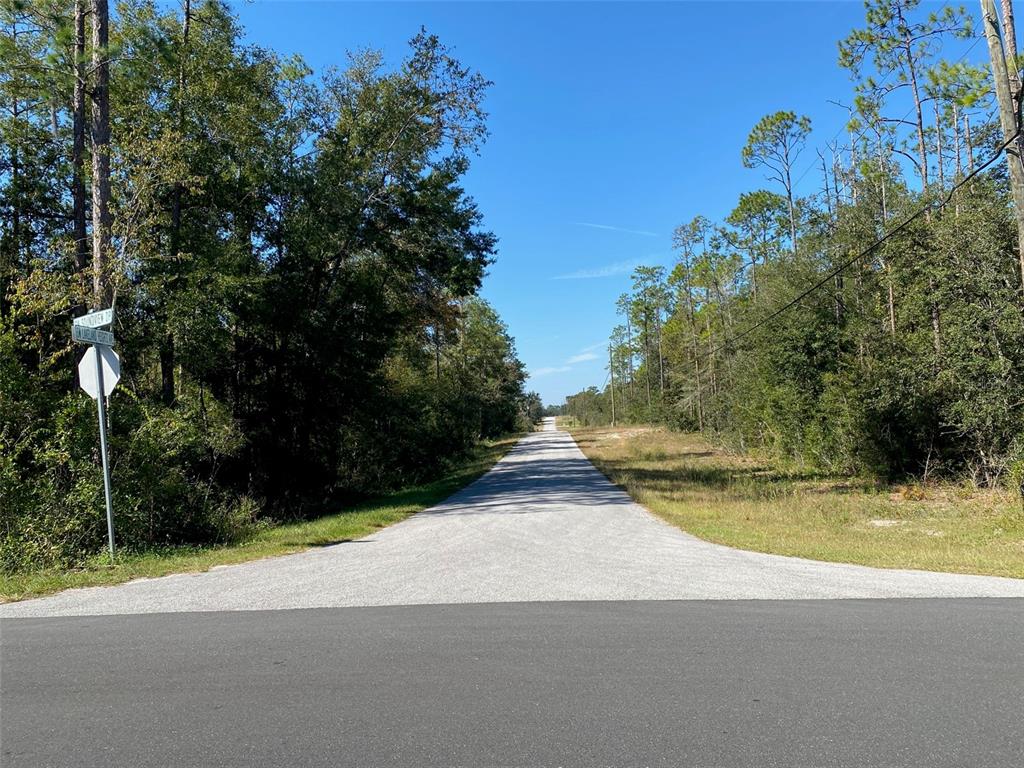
<point x="87" y="377"/>
<point x="87" y="335"/>
<point x="97" y="319"/>
<point x="98" y="374"/>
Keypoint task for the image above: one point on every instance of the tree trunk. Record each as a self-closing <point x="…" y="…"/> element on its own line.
<point x="957" y="143"/>
<point x="837" y="175"/>
<point x="167" y="356"/>
<point x="696" y="352"/>
<point x="885" y="266"/>
<point x="78" y="144"/>
<point x="1007" y="119"/>
<point x="828" y="189"/>
<point x="919" y="114"/>
<point x="100" y="136"/>
<point x="1010" y="43"/>
<point x="711" y="355"/>
<point x="661" y="362"/>
<point x="700" y="394"/>
<point x="178" y="190"/>
<point x="10" y="257"/>
<point x="629" y="357"/>
<point x="892" y="302"/>
<point x="969" y="143"/>
<point x="922" y="149"/>
<point x="167" y="390"/>
<point x="853" y="168"/>
<point x="647" y="361"/>
<point x="792" y="207"/>
<point x="837" y="281"/>
<point x="437" y="352"/>
<point x="611" y="380"/>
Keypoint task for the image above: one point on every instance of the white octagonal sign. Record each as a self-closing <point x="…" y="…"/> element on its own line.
<point x="87" y="370"/>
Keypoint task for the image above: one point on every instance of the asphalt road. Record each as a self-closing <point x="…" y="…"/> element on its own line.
<point x="456" y="665"/>
<point x="542" y="525"/>
<point x="729" y="684"/>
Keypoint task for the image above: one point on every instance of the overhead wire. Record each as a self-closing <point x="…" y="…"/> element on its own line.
<point x="860" y="134"/>
<point x="855" y="139"/>
<point x="860" y="255"/>
<point x="842" y="267"/>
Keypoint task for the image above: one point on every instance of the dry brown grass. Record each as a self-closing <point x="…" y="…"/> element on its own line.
<point x="751" y="503"/>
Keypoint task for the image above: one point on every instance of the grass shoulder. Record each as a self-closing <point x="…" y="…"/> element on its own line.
<point x="754" y="504"/>
<point x="354" y="523"/>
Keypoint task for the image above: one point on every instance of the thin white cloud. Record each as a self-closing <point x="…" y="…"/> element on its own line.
<point x="610" y="228"/>
<point x="608" y="270"/>
<point x="548" y="371"/>
<point x="585" y="355"/>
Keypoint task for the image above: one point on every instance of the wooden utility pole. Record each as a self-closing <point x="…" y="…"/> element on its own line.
<point x="611" y="380"/>
<point x="1007" y="115"/>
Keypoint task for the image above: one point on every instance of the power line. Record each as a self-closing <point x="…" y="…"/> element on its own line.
<point x="863" y="132"/>
<point x="860" y="135"/>
<point x="838" y="270"/>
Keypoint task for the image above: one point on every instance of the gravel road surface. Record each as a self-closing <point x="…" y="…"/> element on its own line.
<point x="542" y="525"/>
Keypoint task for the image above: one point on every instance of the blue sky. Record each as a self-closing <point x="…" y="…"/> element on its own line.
<point x="611" y="123"/>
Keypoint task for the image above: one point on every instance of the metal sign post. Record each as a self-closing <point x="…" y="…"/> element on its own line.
<point x="101" y="405"/>
<point x="85" y="330"/>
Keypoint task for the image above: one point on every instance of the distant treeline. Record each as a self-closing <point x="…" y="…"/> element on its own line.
<point x="907" y="360"/>
<point x="294" y="265"/>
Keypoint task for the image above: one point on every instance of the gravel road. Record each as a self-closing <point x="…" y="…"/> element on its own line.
<point x="542" y="525"/>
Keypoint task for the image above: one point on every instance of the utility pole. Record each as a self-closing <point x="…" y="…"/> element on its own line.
<point x="611" y="382"/>
<point x="1008" y="119"/>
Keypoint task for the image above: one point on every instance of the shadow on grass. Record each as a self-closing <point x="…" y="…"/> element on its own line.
<point x="334" y="527"/>
<point x="753" y="482"/>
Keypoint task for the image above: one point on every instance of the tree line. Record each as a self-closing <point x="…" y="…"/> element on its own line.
<point x="788" y="327"/>
<point x="293" y="261"/>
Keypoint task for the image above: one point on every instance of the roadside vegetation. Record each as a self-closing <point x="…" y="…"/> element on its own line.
<point x="267" y="540"/>
<point x="791" y="330"/>
<point x="295" y="268"/>
<point x="754" y="502"/>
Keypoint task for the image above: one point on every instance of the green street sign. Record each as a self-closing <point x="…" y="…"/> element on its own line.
<point x="97" y="319"/>
<point x="85" y="335"/>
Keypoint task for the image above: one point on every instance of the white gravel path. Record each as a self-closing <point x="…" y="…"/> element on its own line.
<point x="543" y="524"/>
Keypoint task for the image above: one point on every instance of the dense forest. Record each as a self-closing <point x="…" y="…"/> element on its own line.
<point x="293" y="262"/>
<point x="874" y="326"/>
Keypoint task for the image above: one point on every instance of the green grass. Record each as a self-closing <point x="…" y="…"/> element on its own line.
<point x="752" y="503"/>
<point x="361" y="520"/>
